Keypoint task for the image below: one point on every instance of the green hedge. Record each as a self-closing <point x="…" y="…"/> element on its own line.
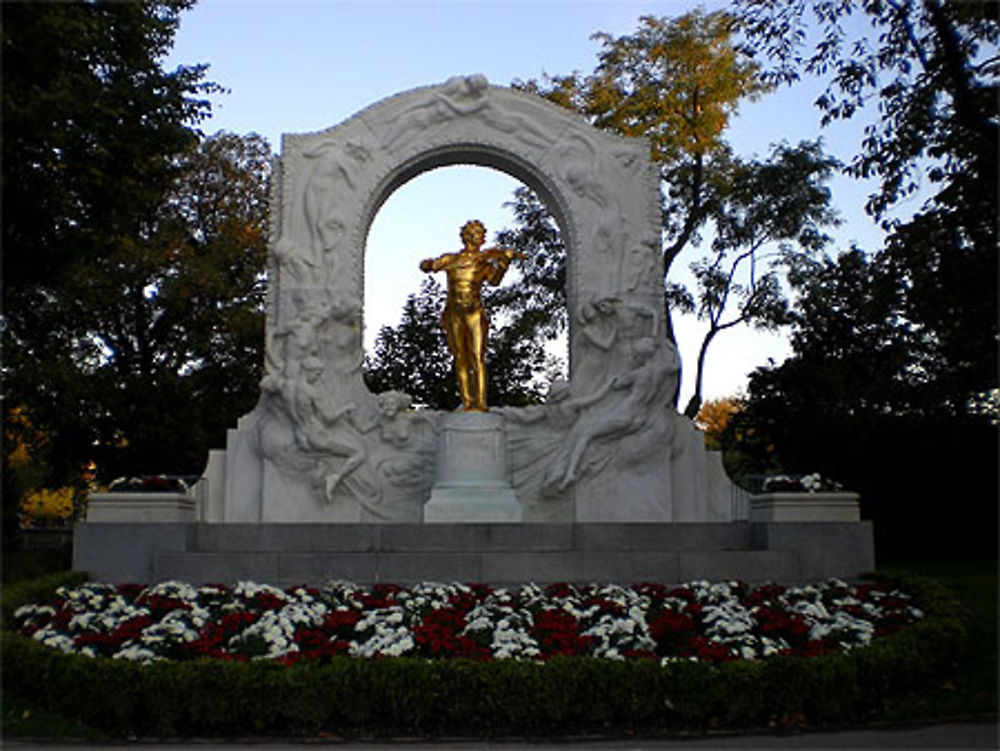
<point x="418" y="697"/>
<point x="41" y="589"/>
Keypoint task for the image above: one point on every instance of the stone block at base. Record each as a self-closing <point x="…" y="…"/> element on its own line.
<point x="501" y="554"/>
<point x="805" y="507"/>
<point x="472" y="478"/>
<point x="475" y="505"/>
<point x="141" y="507"/>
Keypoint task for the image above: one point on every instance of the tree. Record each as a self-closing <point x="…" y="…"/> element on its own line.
<point x="92" y="131"/>
<point x="783" y="202"/>
<point x="857" y="402"/>
<point x="90" y="124"/>
<point x="676" y="82"/>
<point x="164" y="331"/>
<point x="931" y="69"/>
<point x="713" y="417"/>
<point x="538" y="300"/>
<point x="413" y="357"/>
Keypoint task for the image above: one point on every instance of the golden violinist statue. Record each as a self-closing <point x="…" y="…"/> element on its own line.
<point x="464" y="320"/>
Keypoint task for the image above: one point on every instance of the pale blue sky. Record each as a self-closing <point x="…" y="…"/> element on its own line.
<point x="294" y="67"/>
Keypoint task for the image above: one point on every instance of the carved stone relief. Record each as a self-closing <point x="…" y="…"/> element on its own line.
<point x="327" y="449"/>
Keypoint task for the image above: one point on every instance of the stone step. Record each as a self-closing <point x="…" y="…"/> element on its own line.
<point x="494" y="567"/>
<point x="471" y="537"/>
<point x="495" y="553"/>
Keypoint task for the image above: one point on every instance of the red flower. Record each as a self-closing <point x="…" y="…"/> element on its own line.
<point x="670" y="621"/>
<point x="707" y="650"/>
<point x="341" y="622"/>
<point x="764" y="595"/>
<point x="268" y="601"/>
<point x="129" y="591"/>
<point x="556" y="632"/>
<point x="777" y="623"/>
<point x="560" y="591"/>
<point x="160" y="605"/>
<point x="682" y="593"/>
<point x="670" y="630"/>
<point x="439" y="635"/>
<point x="694" y="608"/>
<point x="131" y="629"/>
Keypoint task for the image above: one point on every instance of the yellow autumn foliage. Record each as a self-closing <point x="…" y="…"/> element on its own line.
<point x="21" y="437"/>
<point x="45" y="505"/>
<point x="714" y="416"/>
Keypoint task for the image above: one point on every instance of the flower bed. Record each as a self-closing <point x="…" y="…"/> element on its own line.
<point x="242" y="683"/>
<point x="697" y="621"/>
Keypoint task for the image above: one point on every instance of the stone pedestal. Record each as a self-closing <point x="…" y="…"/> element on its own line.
<point x="472" y="478"/>
<point x="141" y="507"/>
<point x="804" y="507"/>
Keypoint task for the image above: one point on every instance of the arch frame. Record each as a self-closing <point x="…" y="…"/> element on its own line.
<point x="320" y="447"/>
<point x="602" y="189"/>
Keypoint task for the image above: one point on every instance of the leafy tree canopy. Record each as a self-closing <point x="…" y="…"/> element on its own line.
<point x="931" y="68"/>
<point x="133" y="250"/>
<point x="677" y="82"/>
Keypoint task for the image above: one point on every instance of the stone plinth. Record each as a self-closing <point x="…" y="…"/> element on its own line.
<point x="141" y="507"/>
<point x="804" y="507"/>
<point x="502" y="554"/>
<point x="472" y="479"/>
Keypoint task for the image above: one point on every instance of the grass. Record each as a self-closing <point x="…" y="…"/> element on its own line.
<point x="20" y="718"/>
<point x="24" y="719"/>
<point x="19" y="565"/>
<point x="970" y="692"/>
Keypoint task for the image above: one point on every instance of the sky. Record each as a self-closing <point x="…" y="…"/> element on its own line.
<point x="307" y="65"/>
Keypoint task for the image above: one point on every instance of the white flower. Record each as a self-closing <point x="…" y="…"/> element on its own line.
<point x="27" y="611"/>
<point x="56" y="641"/>
<point x="135" y="653"/>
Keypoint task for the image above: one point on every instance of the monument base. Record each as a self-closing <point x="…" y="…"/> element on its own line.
<point x="805" y="507"/>
<point x="472" y="481"/>
<point x="141" y="507"/>
<point x="500" y="554"/>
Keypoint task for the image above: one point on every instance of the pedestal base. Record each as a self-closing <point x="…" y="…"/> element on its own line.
<point x="472" y="504"/>
<point x="141" y="507"/>
<point x="499" y="554"/>
<point x="472" y="479"/>
<point x="804" y="507"/>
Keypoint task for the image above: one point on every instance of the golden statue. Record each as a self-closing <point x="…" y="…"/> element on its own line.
<point x="464" y="320"/>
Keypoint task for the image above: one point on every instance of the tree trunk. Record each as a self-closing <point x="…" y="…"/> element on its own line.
<point x="694" y="403"/>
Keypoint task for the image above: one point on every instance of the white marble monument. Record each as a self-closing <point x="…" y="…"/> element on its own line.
<point x="605" y="447"/>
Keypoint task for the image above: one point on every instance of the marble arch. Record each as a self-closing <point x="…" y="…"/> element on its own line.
<point x="319" y="447"/>
<point x="602" y="189"/>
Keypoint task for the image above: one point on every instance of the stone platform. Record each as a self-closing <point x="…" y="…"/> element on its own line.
<point x="289" y="554"/>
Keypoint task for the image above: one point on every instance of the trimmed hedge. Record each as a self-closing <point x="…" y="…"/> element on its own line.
<point x="410" y="696"/>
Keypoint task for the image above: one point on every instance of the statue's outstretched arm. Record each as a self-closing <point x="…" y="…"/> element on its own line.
<point x="435" y="264"/>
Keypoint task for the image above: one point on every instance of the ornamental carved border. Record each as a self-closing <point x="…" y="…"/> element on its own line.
<point x="601" y="188"/>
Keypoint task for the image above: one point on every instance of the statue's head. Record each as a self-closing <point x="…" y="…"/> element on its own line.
<point x="473" y="232"/>
<point x="312" y="366"/>
<point x="391" y="402"/>
<point x="643" y="349"/>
